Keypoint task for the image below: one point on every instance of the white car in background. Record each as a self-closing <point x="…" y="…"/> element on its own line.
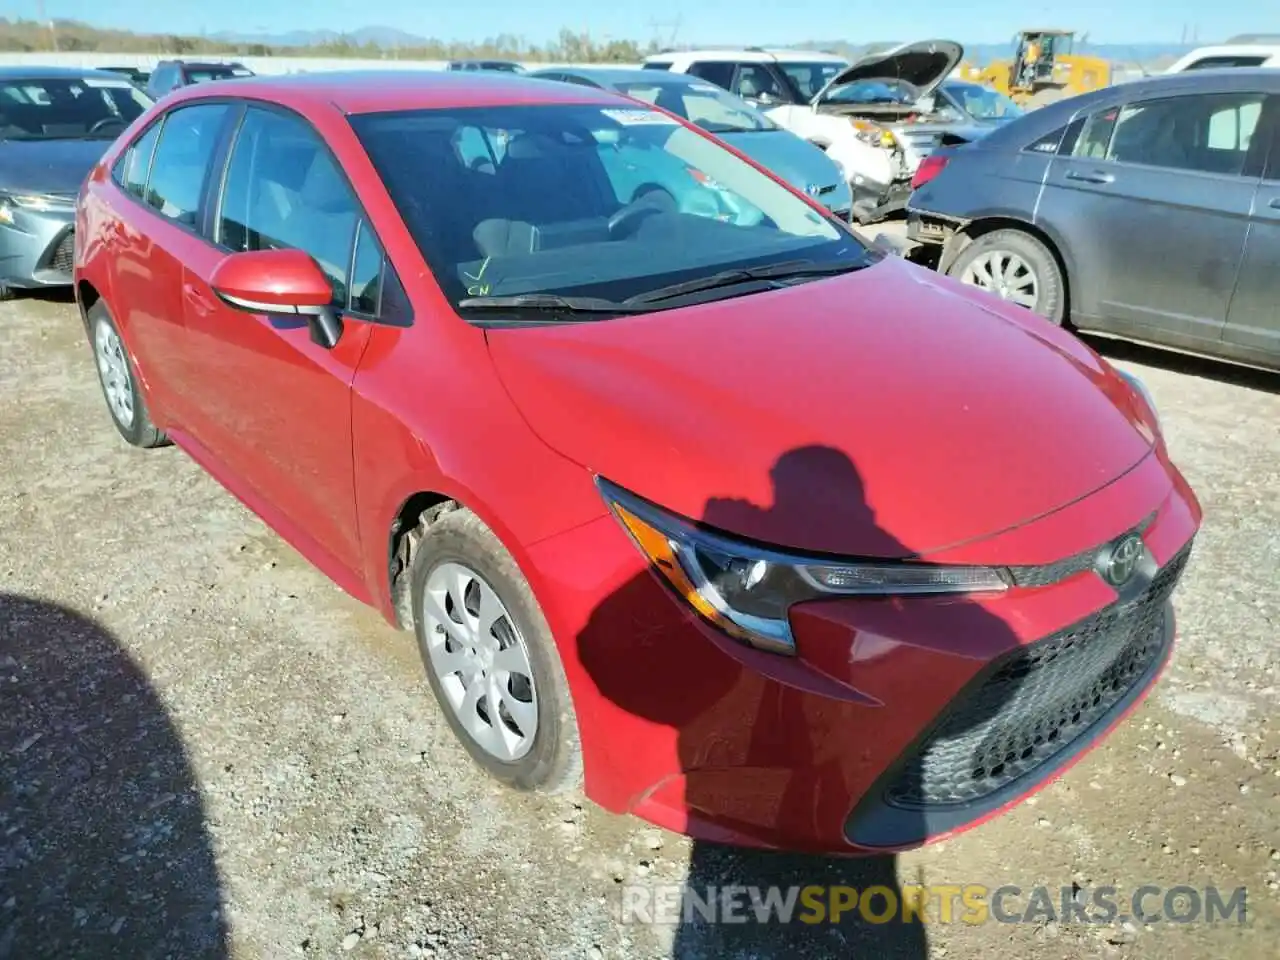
<point x="1231" y="54"/>
<point x="877" y="117"/>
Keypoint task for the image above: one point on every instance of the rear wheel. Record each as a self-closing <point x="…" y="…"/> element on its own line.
<point x="119" y="382"/>
<point x="1017" y="267"/>
<point x="490" y="657"/>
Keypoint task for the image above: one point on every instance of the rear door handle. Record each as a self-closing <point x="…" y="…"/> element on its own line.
<point x="1094" y="176"/>
<point x="199" y="302"/>
<point x="1274" y="203"/>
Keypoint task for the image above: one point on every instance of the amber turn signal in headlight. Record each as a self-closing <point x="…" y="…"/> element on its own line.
<point x="746" y="591"/>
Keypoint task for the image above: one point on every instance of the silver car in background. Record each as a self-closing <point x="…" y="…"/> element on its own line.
<point x="55" y="124"/>
<point x="1148" y="211"/>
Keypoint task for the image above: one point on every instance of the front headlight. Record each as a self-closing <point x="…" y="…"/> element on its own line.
<point x="873" y="134"/>
<point x="34" y="202"/>
<point x="746" y="590"/>
<point x="1141" y="390"/>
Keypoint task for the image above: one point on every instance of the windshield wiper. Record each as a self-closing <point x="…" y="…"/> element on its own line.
<point x="728" y="278"/>
<point x="552" y="302"/>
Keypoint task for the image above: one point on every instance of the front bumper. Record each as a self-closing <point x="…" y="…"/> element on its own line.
<point x="874" y="201"/>
<point x="869" y="740"/>
<point x="37" y="249"/>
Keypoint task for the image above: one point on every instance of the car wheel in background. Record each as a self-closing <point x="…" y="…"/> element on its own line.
<point x="119" y="381"/>
<point x="490" y="657"/>
<point x="1017" y="267"/>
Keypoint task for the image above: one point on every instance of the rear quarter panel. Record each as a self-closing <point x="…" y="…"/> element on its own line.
<point x="979" y="182"/>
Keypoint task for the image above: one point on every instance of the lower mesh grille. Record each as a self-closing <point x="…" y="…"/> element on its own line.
<point x="1036" y="701"/>
<point x="64" y="255"/>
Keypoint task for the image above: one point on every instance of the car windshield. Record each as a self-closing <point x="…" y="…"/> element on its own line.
<point x="810" y="78"/>
<point x="68" y="107"/>
<point x="982" y="103"/>
<point x="706" y="105"/>
<point x="585" y="200"/>
<point x="876" y="90"/>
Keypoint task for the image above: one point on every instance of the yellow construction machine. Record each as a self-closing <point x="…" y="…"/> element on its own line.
<point x="1043" y="69"/>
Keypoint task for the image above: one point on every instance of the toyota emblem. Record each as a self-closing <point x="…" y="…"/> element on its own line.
<point x="1123" y="561"/>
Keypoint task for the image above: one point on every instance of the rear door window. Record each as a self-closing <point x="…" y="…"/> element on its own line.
<point x="188" y="139"/>
<point x="136" y="163"/>
<point x="1209" y="133"/>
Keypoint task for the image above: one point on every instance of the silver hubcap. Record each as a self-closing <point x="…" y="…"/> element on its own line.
<point x="481" y="660"/>
<point x="1006" y="275"/>
<point x="113" y="369"/>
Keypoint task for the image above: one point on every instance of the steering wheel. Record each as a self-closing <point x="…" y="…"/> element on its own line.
<point x="106" y="122"/>
<point x="646" y="204"/>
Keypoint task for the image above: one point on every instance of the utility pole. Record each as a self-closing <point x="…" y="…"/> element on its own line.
<point x="53" y="31"/>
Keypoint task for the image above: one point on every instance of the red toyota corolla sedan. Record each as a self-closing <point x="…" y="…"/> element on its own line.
<point x="687" y="493"/>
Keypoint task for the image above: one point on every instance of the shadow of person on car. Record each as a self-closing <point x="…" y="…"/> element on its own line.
<point x="105" y="850"/>
<point x="754" y="752"/>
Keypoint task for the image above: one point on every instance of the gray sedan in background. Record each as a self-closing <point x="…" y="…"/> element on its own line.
<point x="55" y="125"/>
<point x="1148" y="211"/>
<point x="731" y="119"/>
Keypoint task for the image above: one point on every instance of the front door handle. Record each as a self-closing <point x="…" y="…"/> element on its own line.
<point x="199" y="302"/>
<point x="1093" y="176"/>
<point x="1274" y="203"/>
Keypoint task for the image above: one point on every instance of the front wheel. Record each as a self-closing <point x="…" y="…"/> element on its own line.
<point x="1017" y="267"/>
<point x="490" y="657"/>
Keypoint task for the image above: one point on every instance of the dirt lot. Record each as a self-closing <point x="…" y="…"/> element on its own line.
<point x="206" y="749"/>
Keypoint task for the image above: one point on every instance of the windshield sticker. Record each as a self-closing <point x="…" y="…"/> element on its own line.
<point x="634" y="117"/>
<point x="100" y="83"/>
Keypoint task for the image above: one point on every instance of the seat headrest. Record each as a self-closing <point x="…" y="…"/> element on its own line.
<point x="532" y="146"/>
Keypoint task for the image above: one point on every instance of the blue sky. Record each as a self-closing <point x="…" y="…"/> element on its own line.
<point x="710" y="21"/>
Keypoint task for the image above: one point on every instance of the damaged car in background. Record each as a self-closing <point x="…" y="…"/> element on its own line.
<point x="880" y="117"/>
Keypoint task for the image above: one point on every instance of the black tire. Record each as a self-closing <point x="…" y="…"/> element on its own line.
<point x="6" y="292"/>
<point x="140" y="431"/>
<point x="553" y="763"/>
<point x="1051" y="298"/>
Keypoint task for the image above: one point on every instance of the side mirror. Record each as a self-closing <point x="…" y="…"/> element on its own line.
<point x="280" y="282"/>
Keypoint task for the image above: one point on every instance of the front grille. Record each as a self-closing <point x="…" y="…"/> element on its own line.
<point x="1036" y="701"/>
<point x="1051" y="573"/>
<point x="63" y="258"/>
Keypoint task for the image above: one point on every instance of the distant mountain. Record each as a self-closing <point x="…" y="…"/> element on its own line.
<point x="388" y="37"/>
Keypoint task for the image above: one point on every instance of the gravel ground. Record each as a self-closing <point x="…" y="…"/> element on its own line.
<point x="208" y="750"/>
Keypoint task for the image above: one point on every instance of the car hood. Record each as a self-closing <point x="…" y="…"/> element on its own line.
<point x="923" y="64"/>
<point x="48" y="166"/>
<point x="799" y="163"/>
<point x="938" y="414"/>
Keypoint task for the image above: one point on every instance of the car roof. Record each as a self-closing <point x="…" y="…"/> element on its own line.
<point x="54" y="73"/>
<point x="756" y="55"/>
<point x="377" y="91"/>
<point x="1037" y="123"/>
<point x="607" y="75"/>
